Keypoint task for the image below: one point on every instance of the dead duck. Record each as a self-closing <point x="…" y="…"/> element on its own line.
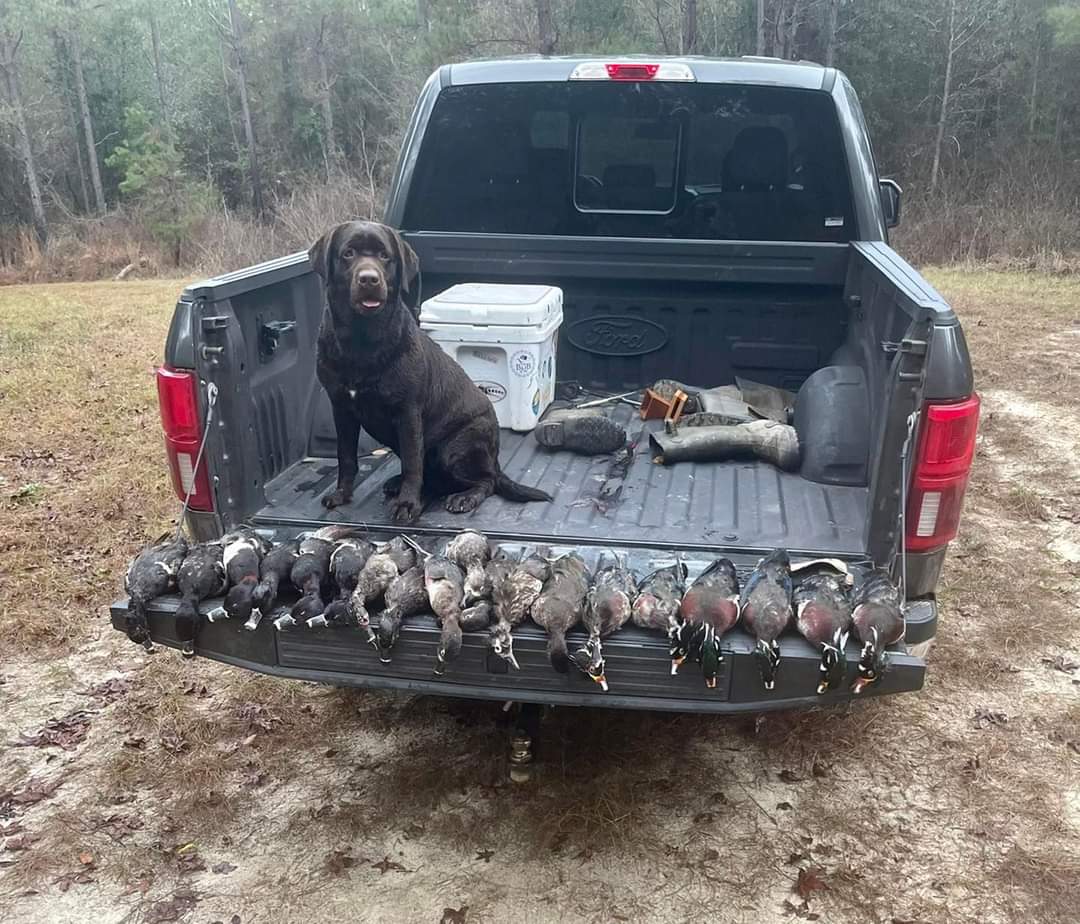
<point x="150" y="575"/>
<point x="560" y="604"/>
<point x="389" y="561"/>
<point x="765" y="607"/>
<point x="878" y="619"/>
<point x="201" y="575"/>
<point x="657" y="603"/>
<point x="607" y="609"/>
<point x="346" y="562"/>
<point x="242" y="556"/>
<point x="478" y="616"/>
<point x="309" y="575"/>
<point x="276" y="567"/>
<point x="497" y="574"/>
<point x="406" y="596"/>
<point x="470" y="551"/>
<point x="709" y="608"/>
<point x="823" y="617"/>
<point x="445" y="584"/>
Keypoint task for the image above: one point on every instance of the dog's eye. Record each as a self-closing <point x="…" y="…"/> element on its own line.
<point x="348" y="253"/>
<point x="384" y="256"/>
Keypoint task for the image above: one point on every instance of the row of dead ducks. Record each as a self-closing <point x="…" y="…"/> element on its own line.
<point x="345" y="580"/>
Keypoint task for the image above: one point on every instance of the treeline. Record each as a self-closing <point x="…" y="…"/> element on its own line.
<point x="202" y="133"/>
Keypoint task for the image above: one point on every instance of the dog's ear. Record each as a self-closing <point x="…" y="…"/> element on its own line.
<point x="321" y="255"/>
<point x="409" y="278"/>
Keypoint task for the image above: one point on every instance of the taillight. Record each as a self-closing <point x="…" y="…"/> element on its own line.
<point x="631" y="70"/>
<point x="183" y="433"/>
<point x="942" y="463"/>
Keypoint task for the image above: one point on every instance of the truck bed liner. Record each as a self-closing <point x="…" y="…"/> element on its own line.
<point x="599" y="499"/>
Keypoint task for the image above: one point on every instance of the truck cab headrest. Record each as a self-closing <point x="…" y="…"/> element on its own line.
<point x="757" y="161"/>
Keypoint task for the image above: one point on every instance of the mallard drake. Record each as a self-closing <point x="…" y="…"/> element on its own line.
<point x="765" y="607"/>
<point x="406" y="596"/>
<point x="150" y="575"/>
<point x="445" y="584"/>
<point x="242" y="556"/>
<point x="514" y="595"/>
<point x="878" y="618"/>
<point x="558" y="608"/>
<point x="659" y="595"/>
<point x="607" y="609"/>
<point x="276" y="566"/>
<point x="823" y="617"/>
<point x="470" y="551"/>
<point x="708" y="609"/>
<point x="201" y="575"/>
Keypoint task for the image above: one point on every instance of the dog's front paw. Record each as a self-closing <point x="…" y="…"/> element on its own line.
<point x="466" y="501"/>
<point x="335" y="499"/>
<point x="405" y="510"/>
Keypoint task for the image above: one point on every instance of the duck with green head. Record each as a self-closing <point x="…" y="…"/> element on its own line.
<point x="878" y="619"/>
<point x="708" y="609"/>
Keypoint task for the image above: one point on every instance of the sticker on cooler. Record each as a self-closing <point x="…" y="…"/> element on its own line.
<point x="493" y="390"/>
<point x="522" y="363"/>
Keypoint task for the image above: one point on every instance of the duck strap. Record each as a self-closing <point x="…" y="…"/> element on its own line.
<point x="211" y="400"/>
<point x="905" y="475"/>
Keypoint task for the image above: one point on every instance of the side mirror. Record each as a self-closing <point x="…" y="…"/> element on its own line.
<point x="889" y="190"/>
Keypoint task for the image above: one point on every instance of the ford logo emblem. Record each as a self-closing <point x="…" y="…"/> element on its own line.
<point x="493" y="390"/>
<point x="615" y="335"/>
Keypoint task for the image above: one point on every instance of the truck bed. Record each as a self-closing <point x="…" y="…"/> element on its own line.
<point x="689" y="506"/>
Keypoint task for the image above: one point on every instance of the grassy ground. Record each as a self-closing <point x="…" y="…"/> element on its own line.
<point x="151" y="789"/>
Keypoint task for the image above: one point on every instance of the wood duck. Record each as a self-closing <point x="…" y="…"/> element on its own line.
<point x="560" y="604"/>
<point x="878" y="618"/>
<point x="445" y="584"/>
<point x="765" y="607"/>
<point x="346" y="562"/>
<point x="823" y="617"/>
<point x="389" y="561"/>
<point x="406" y="596"/>
<point x="243" y="553"/>
<point x="657" y="603"/>
<point x="478" y="616"/>
<point x="514" y="595"/>
<point x="201" y="575"/>
<point x="470" y="551"/>
<point x="708" y="609"/>
<point x="607" y="609"/>
<point x="276" y="567"/>
<point x="150" y="575"/>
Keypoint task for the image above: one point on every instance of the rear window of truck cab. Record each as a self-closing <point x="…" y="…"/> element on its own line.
<point x="625" y="159"/>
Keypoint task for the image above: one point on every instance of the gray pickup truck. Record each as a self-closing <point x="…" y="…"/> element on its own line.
<point x="705" y="219"/>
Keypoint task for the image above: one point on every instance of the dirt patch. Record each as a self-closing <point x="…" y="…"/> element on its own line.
<point x="194" y="792"/>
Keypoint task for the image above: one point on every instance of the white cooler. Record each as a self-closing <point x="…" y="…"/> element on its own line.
<point x="505" y="338"/>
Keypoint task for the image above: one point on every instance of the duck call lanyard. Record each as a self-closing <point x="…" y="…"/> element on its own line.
<point x="211" y="400"/>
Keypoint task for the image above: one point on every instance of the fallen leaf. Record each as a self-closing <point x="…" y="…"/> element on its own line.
<point x="66" y="881"/>
<point x="222" y="869"/>
<point x="66" y="732"/>
<point x="337" y="861"/>
<point x="790" y="776"/>
<point x="809" y="882"/>
<point x="135" y="743"/>
<point x="704" y="818"/>
<point x="1061" y="663"/>
<point x="109" y="690"/>
<point x="984" y="717"/>
<point x="413" y="831"/>
<point x="454" y="915"/>
<point x="173" y="909"/>
<point x="819" y="770"/>
<point x="21" y="841"/>
<point x="385" y="865"/>
<point x="711" y="855"/>
<point x="13" y="827"/>
<point x="784" y="806"/>
<point x="188" y="859"/>
<point x="174" y="744"/>
<point x="485" y="855"/>
<point x="86" y="858"/>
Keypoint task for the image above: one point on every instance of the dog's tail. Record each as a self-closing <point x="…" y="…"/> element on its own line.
<point x="513" y="491"/>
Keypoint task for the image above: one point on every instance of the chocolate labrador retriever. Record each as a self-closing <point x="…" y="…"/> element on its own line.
<point x="385" y="375"/>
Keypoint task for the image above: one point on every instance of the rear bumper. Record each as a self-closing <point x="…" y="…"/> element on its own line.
<point x="638" y="667"/>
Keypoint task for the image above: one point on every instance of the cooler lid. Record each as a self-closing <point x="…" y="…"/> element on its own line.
<point x="485" y="303"/>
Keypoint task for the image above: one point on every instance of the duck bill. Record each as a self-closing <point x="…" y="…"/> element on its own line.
<point x="676" y="663"/>
<point x="513" y="660"/>
<point x="318" y="622"/>
<point x="860" y="684"/>
<point x="217" y="613"/>
<point x="823" y="687"/>
<point x="602" y="680"/>
<point x="253" y="620"/>
<point x="284" y="622"/>
<point x="770" y="685"/>
<point x="710" y="682"/>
